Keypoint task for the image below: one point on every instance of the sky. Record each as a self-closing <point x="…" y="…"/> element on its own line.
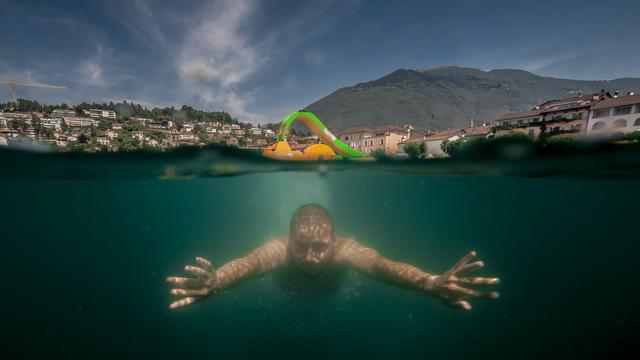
<point x="261" y="60"/>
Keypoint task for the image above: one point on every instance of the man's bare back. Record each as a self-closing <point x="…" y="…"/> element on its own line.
<point x="312" y="247"/>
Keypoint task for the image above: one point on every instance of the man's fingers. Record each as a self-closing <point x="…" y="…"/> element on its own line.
<point x="195" y="270"/>
<point x="477" y="281"/>
<point x="184" y="292"/>
<point x="182" y="303"/>
<point x="471" y="267"/>
<point x="184" y="282"/>
<point x="459" y="304"/>
<point x="459" y="290"/>
<point x="206" y="264"/>
<point x="459" y="265"/>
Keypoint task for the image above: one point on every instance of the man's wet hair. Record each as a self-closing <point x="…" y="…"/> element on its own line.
<point x="310" y="213"/>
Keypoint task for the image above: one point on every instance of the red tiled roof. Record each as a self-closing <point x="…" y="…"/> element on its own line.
<point x="517" y="115"/>
<point x="477" y="131"/>
<point x="445" y="134"/>
<point x="619" y="101"/>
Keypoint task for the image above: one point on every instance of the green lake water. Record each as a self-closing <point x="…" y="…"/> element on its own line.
<point x="87" y="242"/>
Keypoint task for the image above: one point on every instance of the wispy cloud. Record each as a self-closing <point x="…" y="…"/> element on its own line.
<point x="545" y="61"/>
<point x="218" y="50"/>
<point x="222" y="52"/>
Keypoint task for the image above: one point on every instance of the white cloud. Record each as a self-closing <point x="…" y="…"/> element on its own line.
<point x="223" y="50"/>
<point x="91" y="73"/>
<point x="234" y="103"/>
<point x="218" y="50"/>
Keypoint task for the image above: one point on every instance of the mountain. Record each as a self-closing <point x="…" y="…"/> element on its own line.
<point x="447" y="97"/>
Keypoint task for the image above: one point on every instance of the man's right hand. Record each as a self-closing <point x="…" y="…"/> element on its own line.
<point x="195" y="289"/>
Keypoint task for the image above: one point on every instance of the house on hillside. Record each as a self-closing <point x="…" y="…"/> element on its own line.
<point x="433" y="142"/>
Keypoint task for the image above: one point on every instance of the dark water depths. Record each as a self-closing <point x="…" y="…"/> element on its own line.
<point x="88" y="241"/>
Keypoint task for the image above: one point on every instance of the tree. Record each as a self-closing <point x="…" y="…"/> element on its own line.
<point x="415" y="150"/>
<point x="379" y="154"/>
<point x="632" y="136"/>
<point x="452" y="148"/>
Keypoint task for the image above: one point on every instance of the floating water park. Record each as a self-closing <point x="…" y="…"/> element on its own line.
<point x="330" y="147"/>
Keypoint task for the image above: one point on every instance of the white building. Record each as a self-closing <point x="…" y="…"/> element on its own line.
<point x="63" y="112"/>
<point x="52" y="123"/>
<point x="163" y="124"/>
<point x="235" y="126"/>
<point x="74" y="121"/>
<point x="137" y="135"/>
<point x="140" y="120"/>
<point x="3" y="122"/>
<point x="256" y="131"/>
<point x="186" y="137"/>
<point x="612" y="118"/>
<point x="211" y="130"/>
<point x="226" y="129"/>
<point x="97" y="113"/>
<point x="16" y="116"/>
<point x="187" y="127"/>
<point x="111" y="134"/>
<point x="103" y="140"/>
<point x="116" y="126"/>
<point x="433" y="142"/>
<point x="269" y="133"/>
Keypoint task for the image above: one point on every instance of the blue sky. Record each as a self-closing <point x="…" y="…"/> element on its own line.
<point x="260" y="60"/>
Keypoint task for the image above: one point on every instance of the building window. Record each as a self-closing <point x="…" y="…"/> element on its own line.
<point x="637" y="123"/>
<point x="531" y="133"/>
<point x="601" y="113"/>
<point x="620" y="123"/>
<point x="598" y="126"/>
<point x="622" y="110"/>
<point x="381" y="141"/>
<point x="638" y="108"/>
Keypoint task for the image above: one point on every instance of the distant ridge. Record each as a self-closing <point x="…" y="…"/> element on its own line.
<point x="449" y="96"/>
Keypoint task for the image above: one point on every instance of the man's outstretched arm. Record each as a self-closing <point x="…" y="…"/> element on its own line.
<point x="452" y="287"/>
<point x="208" y="281"/>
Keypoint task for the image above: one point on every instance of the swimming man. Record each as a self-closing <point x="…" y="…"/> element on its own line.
<point x="312" y="248"/>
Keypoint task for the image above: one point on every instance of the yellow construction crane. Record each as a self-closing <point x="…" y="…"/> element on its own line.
<point x="13" y="84"/>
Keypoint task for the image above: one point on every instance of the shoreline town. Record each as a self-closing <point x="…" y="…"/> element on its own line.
<point x="601" y="116"/>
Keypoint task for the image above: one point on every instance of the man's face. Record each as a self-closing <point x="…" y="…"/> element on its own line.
<point x="312" y="243"/>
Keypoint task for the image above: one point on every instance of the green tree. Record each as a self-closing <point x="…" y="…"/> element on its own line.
<point x="632" y="136"/>
<point x="415" y="150"/>
<point x="379" y="154"/>
<point x="453" y="148"/>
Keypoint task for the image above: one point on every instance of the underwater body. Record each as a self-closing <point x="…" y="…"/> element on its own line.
<point x="89" y="239"/>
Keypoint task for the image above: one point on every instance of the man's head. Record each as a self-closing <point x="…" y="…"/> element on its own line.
<point x="311" y="238"/>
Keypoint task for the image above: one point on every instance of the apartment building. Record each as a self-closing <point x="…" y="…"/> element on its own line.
<point x="52" y="123"/>
<point x="614" y="117"/>
<point x="97" y="113"/>
<point x="74" y="121"/>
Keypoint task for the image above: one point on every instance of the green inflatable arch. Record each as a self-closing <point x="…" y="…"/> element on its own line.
<point x="318" y="128"/>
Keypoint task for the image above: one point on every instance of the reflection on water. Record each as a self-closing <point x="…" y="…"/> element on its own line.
<point x="89" y="239"/>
